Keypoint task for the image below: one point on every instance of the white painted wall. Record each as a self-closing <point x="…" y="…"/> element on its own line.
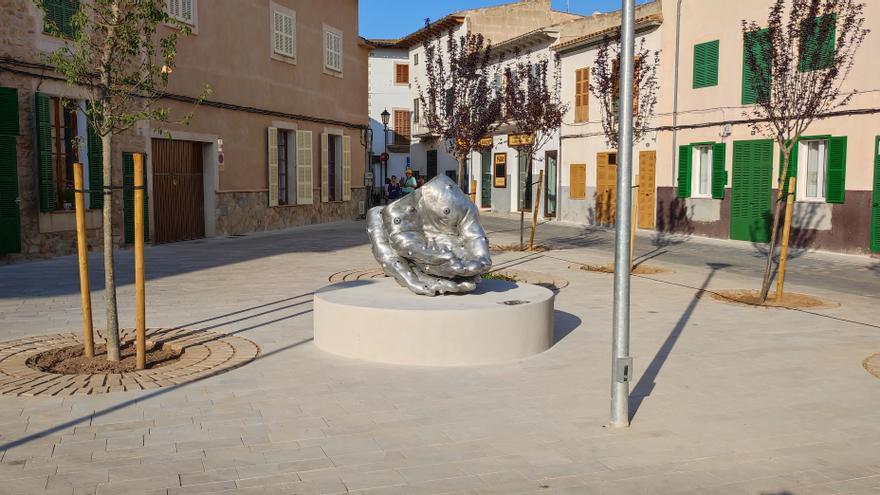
<point x="580" y="142"/>
<point x="386" y="94"/>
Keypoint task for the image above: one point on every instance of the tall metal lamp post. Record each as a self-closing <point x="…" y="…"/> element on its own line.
<point x="621" y="371"/>
<point x="385" y="117"/>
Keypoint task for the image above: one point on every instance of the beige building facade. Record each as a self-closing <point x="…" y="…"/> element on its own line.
<point x="704" y="132"/>
<point x="280" y="141"/>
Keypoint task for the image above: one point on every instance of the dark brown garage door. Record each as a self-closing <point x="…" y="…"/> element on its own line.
<point x="178" y="190"/>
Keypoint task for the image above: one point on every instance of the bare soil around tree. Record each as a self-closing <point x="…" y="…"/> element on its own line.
<point x="791" y="300"/>
<point x="72" y="360"/>
<point x="638" y="270"/>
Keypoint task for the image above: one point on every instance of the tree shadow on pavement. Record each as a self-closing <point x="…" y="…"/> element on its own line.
<point x="60" y="276"/>
<point x="647" y="382"/>
<point x="164" y="390"/>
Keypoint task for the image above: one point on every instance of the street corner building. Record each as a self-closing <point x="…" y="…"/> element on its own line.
<point x="699" y="169"/>
<point x="281" y="140"/>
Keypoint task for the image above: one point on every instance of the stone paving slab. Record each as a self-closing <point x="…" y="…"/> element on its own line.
<point x="726" y="399"/>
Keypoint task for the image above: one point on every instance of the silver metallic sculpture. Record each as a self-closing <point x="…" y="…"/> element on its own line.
<point x="430" y="240"/>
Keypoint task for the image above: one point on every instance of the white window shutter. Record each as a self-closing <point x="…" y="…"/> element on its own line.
<point x="304" y="169"/>
<point x="187" y="10"/>
<point x="325" y="168"/>
<point x="273" y="166"/>
<point x="346" y="168"/>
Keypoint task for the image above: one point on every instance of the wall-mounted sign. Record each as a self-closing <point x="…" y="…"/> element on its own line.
<point x="520" y="139"/>
<point x="485" y="142"/>
<point x="500" y="170"/>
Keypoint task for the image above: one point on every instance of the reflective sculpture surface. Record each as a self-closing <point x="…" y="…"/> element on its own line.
<point x="431" y="240"/>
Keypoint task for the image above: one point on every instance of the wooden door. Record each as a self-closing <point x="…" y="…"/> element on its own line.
<point x="875" y="200"/>
<point x="606" y="188"/>
<point x="647" y="173"/>
<point x="750" y="194"/>
<point x="178" y="190"/>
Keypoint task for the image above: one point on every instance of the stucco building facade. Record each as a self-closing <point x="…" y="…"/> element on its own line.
<point x="280" y="141"/>
<point x="704" y="133"/>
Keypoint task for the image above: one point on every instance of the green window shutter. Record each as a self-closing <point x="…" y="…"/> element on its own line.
<point x="719" y="173"/>
<point x="756" y="86"/>
<point x="10" y="218"/>
<point x="706" y="64"/>
<point x="59" y="16"/>
<point x="96" y="169"/>
<point x="818" y="43"/>
<point x="875" y="200"/>
<point x="835" y="177"/>
<point x="9" y="112"/>
<point x="45" y="167"/>
<point x="128" y="199"/>
<point x="684" y="171"/>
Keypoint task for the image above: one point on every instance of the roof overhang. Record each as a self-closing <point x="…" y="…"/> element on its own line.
<point x="432" y="30"/>
<point x="642" y="24"/>
<point x="525" y="41"/>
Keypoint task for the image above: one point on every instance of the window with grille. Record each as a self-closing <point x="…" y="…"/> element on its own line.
<point x="58" y="16"/>
<point x="401" y="74"/>
<point x="332" y="49"/>
<point x="401" y="127"/>
<point x="182" y="10"/>
<point x="284" y="33"/>
<point x="415" y="110"/>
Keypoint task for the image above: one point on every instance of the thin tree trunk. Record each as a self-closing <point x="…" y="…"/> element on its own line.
<point x="109" y="267"/>
<point x="777" y="215"/>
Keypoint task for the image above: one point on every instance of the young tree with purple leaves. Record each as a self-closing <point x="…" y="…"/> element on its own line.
<point x="605" y="87"/>
<point x="459" y="104"/>
<point x="795" y="68"/>
<point x="532" y="106"/>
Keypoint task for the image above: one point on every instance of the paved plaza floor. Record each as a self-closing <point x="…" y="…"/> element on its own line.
<point x="727" y="399"/>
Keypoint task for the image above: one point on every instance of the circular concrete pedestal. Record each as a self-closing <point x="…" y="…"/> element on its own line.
<point x="377" y="320"/>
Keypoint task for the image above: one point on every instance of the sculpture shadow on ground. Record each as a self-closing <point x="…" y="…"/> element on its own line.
<point x="563" y="324"/>
<point x="647" y="382"/>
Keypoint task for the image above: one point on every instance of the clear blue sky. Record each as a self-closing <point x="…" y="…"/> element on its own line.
<point x="396" y="18"/>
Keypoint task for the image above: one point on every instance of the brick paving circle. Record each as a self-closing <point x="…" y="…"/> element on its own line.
<point x="872" y="364"/>
<point x="204" y="354"/>
<point x="529" y="277"/>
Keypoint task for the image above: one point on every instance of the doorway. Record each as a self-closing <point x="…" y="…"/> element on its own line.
<point x="750" y="194"/>
<point x="606" y="188"/>
<point x="486" y="172"/>
<point x="178" y="189"/>
<point x="432" y="165"/>
<point x="647" y="172"/>
<point x="550" y="175"/>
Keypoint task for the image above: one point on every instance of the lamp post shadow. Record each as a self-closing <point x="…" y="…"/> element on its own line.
<point x="646" y="383"/>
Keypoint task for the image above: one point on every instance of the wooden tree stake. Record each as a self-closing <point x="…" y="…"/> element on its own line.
<point x="82" y="249"/>
<point x="140" y="304"/>
<point x="536" y="203"/>
<point x="786" y="231"/>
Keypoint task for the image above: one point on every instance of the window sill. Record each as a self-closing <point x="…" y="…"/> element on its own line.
<point x="283" y="58"/>
<point x="811" y="200"/>
<point x="332" y="72"/>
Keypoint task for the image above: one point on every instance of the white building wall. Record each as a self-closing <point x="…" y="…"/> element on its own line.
<point x="580" y="142"/>
<point x="386" y="94"/>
